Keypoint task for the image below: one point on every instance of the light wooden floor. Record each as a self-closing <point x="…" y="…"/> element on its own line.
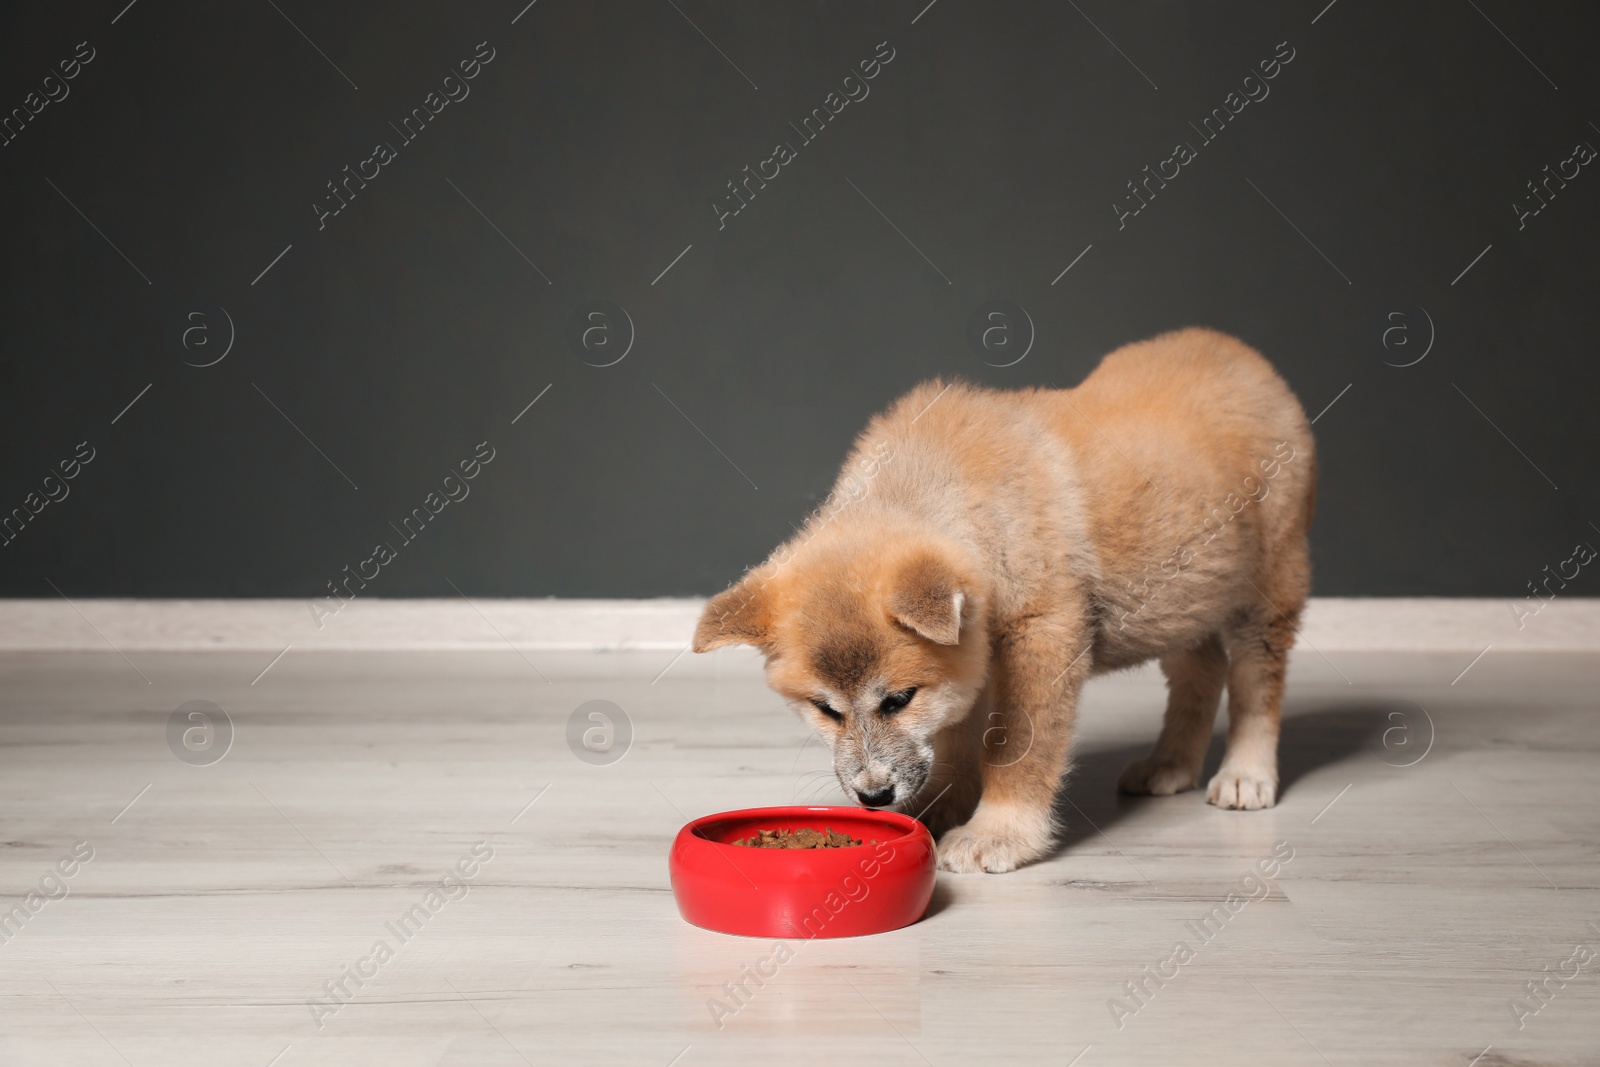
<point x="1419" y="901"/>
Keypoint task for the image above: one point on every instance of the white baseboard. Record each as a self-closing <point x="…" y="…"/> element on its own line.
<point x="1331" y="624"/>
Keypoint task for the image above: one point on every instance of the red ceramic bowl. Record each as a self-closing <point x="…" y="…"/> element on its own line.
<point x="803" y="892"/>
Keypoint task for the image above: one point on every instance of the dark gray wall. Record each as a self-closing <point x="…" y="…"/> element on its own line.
<point x="384" y="345"/>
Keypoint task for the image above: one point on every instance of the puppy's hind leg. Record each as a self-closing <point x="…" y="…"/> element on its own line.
<point x="1258" y="650"/>
<point x="1194" y="689"/>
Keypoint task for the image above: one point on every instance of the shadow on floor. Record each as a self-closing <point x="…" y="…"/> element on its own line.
<point x="942" y="899"/>
<point x="1395" y="732"/>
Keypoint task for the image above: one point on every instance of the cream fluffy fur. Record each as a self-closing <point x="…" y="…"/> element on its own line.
<point x="985" y="552"/>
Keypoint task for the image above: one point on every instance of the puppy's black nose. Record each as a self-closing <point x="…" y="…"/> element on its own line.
<point x="881" y="799"/>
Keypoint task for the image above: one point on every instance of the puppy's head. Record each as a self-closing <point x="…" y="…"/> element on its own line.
<point x="877" y="639"/>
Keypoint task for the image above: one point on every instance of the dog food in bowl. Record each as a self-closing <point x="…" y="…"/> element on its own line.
<point x="805" y="837"/>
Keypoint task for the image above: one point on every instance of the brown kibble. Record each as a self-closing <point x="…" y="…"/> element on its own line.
<point x="805" y="837"/>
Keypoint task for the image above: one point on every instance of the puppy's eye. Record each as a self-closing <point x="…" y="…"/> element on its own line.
<point x="895" y="701"/>
<point x="826" y="710"/>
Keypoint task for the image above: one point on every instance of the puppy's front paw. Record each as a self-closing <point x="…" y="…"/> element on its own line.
<point x="1152" y="778"/>
<point x="1243" y="788"/>
<point x="996" y="840"/>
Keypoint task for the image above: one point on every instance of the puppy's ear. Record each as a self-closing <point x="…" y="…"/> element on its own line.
<point x="735" y="616"/>
<point x="928" y="597"/>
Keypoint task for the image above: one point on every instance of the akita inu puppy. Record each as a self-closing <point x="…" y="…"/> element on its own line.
<point x="985" y="552"/>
